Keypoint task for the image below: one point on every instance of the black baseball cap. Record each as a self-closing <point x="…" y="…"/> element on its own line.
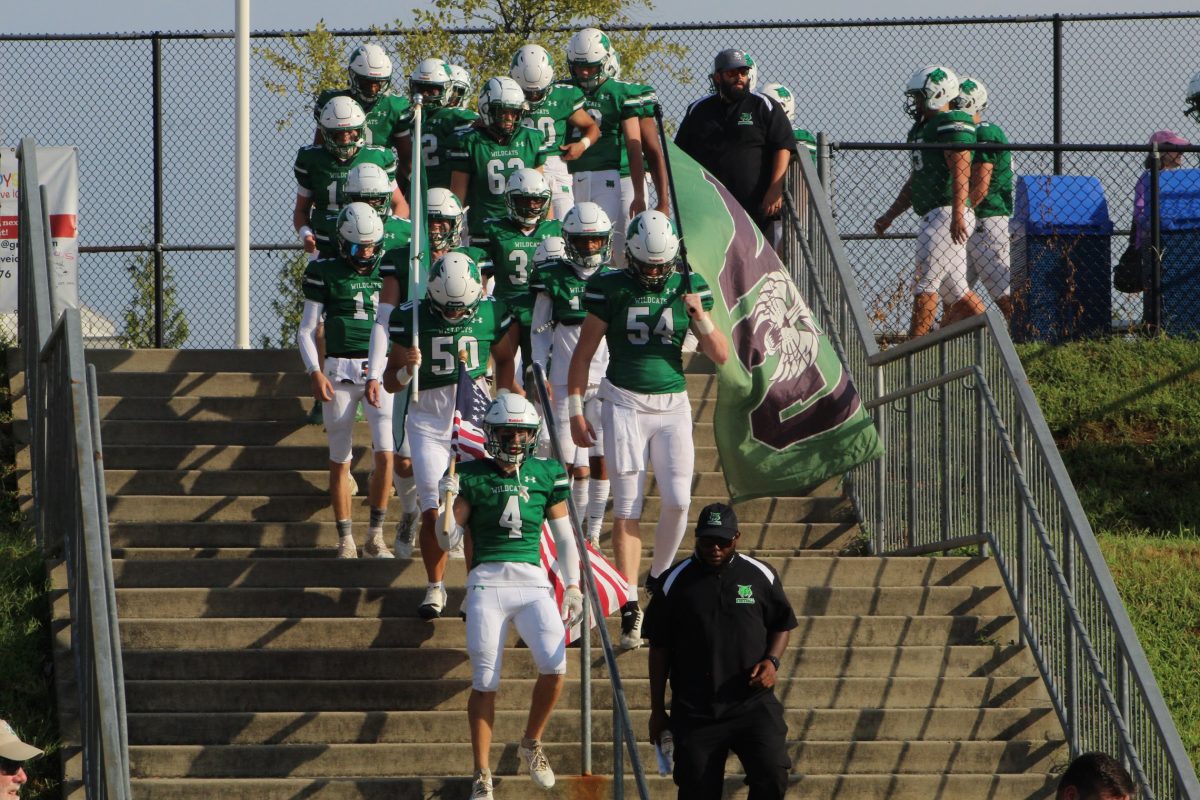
<point x="732" y="59"/>
<point x="717" y="519"/>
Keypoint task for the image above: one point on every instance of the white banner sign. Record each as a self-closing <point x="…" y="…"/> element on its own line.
<point x="58" y="170"/>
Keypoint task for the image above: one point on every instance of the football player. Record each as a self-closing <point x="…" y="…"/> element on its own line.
<point x="937" y="190"/>
<point x="454" y="316"/>
<point x="343" y="290"/>
<point x="644" y="314"/>
<point x="434" y="80"/>
<point x="611" y="172"/>
<point x="445" y="221"/>
<point x="558" y="312"/>
<point x="513" y="240"/>
<point x="784" y="97"/>
<point x="370" y="85"/>
<point x="460" y="88"/>
<point x="500" y="504"/>
<point x="552" y="107"/>
<point x="1193" y="98"/>
<point x="484" y="156"/>
<point x="988" y="258"/>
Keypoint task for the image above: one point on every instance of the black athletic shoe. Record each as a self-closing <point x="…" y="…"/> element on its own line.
<point x="631" y="625"/>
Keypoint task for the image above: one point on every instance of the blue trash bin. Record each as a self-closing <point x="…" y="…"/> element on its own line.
<point x="1179" y="230"/>
<point x="1061" y="259"/>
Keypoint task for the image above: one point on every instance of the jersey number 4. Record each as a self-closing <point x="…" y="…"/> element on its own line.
<point x="638" y="325"/>
<point x="511" y="518"/>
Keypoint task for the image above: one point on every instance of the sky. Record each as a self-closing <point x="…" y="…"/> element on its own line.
<point x="124" y="16"/>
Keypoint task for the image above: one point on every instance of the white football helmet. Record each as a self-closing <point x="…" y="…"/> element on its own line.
<point x="752" y="75"/>
<point x="590" y="47"/>
<point x="930" y="87"/>
<point x="587" y="221"/>
<point x="370" y="73"/>
<point x="533" y="72"/>
<point x="460" y="87"/>
<point x="782" y="95"/>
<point x="431" y="80"/>
<point x="443" y="204"/>
<point x="511" y="425"/>
<point x="527" y="197"/>
<point x="368" y="183"/>
<point x="651" y="249"/>
<point x="1193" y="98"/>
<point x="455" y="287"/>
<point x="972" y="96"/>
<point x="340" y="115"/>
<point x="552" y="248"/>
<point x="359" y="234"/>
<point x="498" y="96"/>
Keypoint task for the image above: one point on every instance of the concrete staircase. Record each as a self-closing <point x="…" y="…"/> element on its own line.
<point x="257" y="666"/>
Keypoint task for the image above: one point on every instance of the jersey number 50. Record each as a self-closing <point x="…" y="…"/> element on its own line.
<point x="445" y="355"/>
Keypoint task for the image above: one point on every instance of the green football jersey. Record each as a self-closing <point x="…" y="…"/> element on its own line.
<point x="563" y="100"/>
<point x="931" y="184"/>
<point x="559" y="281"/>
<point x="490" y="163"/>
<point x="999" y="199"/>
<point x="512" y="257"/>
<point x="438" y="133"/>
<point x="645" y="329"/>
<point x="611" y="103"/>
<point x="349" y="299"/>
<point x="808" y="140"/>
<point x="507" y="511"/>
<point x="386" y="118"/>
<point x="395" y="264"/>
<point x="322" y="177"/>
<point x="442" y="340"/>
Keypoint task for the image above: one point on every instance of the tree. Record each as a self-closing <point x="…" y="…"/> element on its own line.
<point x="139" y="316"/>
<point x="316" y="61"/>
<point x="289" y="302"/>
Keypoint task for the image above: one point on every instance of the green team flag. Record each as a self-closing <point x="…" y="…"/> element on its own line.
<point x="788" y="415"/>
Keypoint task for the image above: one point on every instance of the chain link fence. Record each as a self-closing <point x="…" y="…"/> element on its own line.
<point x="153" y="116"/>
<point x="1077" y="267"/>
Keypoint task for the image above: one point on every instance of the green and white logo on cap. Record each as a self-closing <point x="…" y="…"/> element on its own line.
<point x="714" y="519"/>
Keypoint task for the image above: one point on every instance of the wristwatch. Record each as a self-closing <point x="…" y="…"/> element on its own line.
<point x="774" y="661"/>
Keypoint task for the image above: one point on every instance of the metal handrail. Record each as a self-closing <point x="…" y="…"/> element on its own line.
<point x="69" y="494"/>
<point x="622" y="723"/>
<point x="970" y="455"/>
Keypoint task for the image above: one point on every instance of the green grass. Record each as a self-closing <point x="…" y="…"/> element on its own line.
<point x="27" y="697"/>
<point x="1126" y="416"/>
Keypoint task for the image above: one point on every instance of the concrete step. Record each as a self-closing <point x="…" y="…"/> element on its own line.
<point x="430" y="662"/>
<point x="301" y="508"/>
<point x="297" y="536"/>
<point x="401" y="602"/>
<point x="887" y="786"/>
<point x="384" y="727"/>
<point x="388" y="760"/>
<point x="451" y="695"/>
<point x="377" y="573"/>
<point x="262" y="384"/>
<point x="297" y="432"/>
<point x="409" y="631"/>
<point x="313" y="482"/>
<point x="211" y="408"/>
<point x="219" y="360"/>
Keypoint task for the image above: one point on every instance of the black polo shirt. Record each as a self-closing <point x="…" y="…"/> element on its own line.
<point x="716" y="624"/>
<point x="737" y="143"/>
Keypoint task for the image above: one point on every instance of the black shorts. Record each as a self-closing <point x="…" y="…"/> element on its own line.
<point x="757" y="736"/>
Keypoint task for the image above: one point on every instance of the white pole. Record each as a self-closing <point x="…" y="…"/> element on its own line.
<point x="242" y="204"/>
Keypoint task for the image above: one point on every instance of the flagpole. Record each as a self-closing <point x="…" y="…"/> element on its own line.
<point x="417" y="215"/>
<point x="684" y="266"/>
<point x="452" y="469"/>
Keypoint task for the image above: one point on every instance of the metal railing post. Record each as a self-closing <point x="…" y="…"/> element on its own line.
<point x="1056" y="28"/>
<point x="1156" y="306"/>
<point x="824" y="153"/>
<point x="157" y="83"/>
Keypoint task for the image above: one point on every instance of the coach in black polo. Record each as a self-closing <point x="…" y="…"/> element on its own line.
<point x="743" y="138"/>
<point x="718" y="625"/>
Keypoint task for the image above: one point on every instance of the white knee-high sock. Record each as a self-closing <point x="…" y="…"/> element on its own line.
<point x="579" y="496"/>
<point x="406" y="490"/>
<point x="597" y="500"/>
<point x="672" y="525"/>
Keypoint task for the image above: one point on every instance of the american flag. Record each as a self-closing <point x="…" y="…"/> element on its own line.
<point x="468" y="442"/>
<point x="471" y="402"/>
